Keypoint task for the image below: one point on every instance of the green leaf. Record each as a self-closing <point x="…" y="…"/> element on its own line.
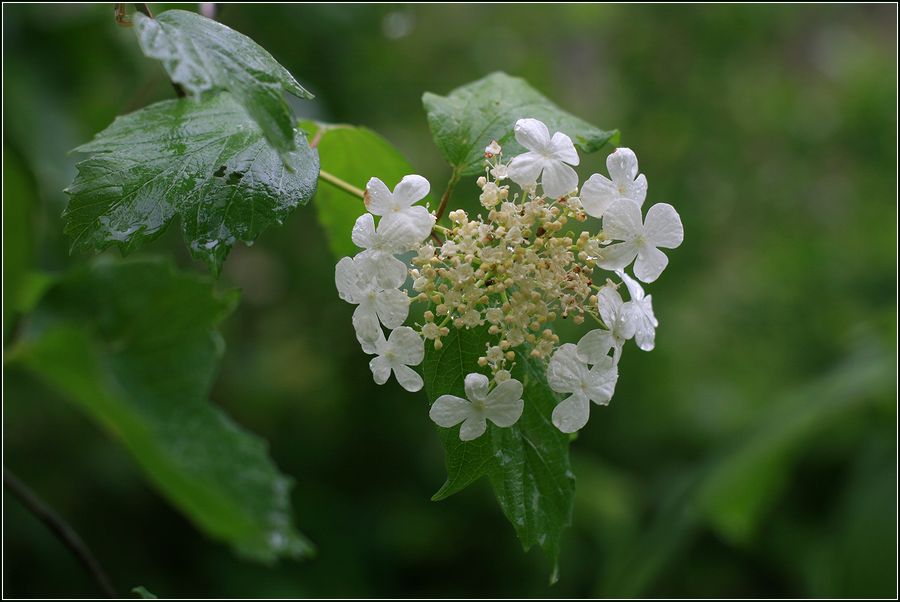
<point x="527" y="464"/>
<point x="202" y="55"/>
<point x="204" y="161"/>
<point x="133" y="344"/>
<point x="354" y="154"/>
<point x="465" y="121"/>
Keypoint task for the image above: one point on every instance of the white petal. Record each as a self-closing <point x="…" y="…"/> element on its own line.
<point x="524" y="169"/>
<point x="363" y="234"/>
<point x="532" y="134"/>
<point x="602" y="381"/>
<point x="617" y="352"/>
<point x="378" y="198"/>
<point x="595" y="345"/>
<point x="407" y="346"/>
<point x="449" y="410"/>
<point x="637" y="191"/>
<point x="572" y="413"/>
<point x="365" y="322"/>
<point x="635" y="290"/>
<point x="622" y="166"/>
<point x="346" y="278"/>
<point x="384" y="268"/>
<point x="559" y="179"/>
<point x="563" y="149"/>
<point x="476" y="386"/>
<point x="411" y="189"/>
<point x="663" y="226"/>
<point x="396" y="236"/>
<point x="507" y="413"/>
<point x="644" y="321"/>
<point x="618" y="255"/>
<point x="597" y="194"/>
<point x="381" y="369"/>
<point x="392" y="307"/>
<point x="408" y="227"/>
<point x="374" y="343"/>
<point x="650" y="263"/>
<point x="609" y="305"/>
<point x="472" y="428"/>
<point x="565" y="370"/>
<point x="504" y="404"/>
<point x="622" y="220"/>
<point x="408" y="378"/>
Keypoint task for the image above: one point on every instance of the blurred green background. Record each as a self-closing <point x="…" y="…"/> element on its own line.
<point x="753" y="453"/>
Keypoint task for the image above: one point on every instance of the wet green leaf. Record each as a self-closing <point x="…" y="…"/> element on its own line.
<point x="465" y="121"/>
<point x="134" y="345"/>
<point x="202" y="55"/>
<point x="204" y="161"/>
<point x="527" y="464"/>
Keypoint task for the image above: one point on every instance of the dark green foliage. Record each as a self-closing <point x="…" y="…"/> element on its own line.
<point x="204" y="161"/>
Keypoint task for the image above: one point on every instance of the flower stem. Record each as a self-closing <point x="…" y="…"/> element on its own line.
<point x="454" y="178"/>
<point x="339" y="183"/>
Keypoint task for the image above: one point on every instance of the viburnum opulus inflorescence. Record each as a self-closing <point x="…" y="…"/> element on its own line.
<point x="532" y="257"/>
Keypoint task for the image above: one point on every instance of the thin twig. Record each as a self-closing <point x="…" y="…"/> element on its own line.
<point x="61" y="529"/>
<point x="345" y="186"/>
<point x="317" y="137"/>
<point x="454" y="178"/>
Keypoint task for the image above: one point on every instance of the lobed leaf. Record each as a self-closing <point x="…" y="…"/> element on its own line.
<point x="204" y="161"/>
<point x="527" y="464"/>
<point x="465" y="121"/>
<point x="134" y="345"/>
<point x="203" y="55"/>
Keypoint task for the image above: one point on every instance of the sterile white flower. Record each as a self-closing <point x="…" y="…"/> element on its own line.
<point x="403" y="348"/>
<point x="596" y="344"/>
<point x="568" y="373"/>
<point x="503" y="406"/>
<point x="380" y="244"/>
<point x="640" y="312"/>
<point x="599" y="192"/>
<point x="397" y="208"/>
<point x="548" y="159"/>
<point x="641" y="238"/>
<point x="355" y="284"/>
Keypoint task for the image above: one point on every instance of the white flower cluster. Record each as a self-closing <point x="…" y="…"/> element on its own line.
<point x="373" y="278"/>
<point x="515" y="272"/>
